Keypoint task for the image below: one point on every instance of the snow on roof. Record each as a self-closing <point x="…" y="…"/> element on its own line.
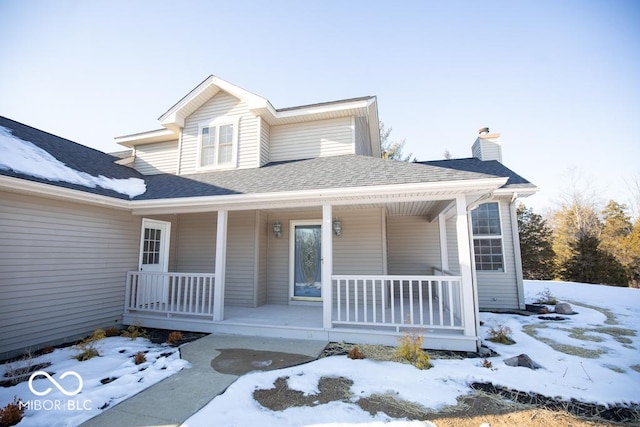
<point x="25" y="157"/>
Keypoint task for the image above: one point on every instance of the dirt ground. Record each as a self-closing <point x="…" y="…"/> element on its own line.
<point x="472" y="410"/>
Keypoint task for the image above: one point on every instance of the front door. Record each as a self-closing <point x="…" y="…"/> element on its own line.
<point x="306" y="268"/>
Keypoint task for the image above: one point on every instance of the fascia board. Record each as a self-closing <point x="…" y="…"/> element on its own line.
<point x="374" y="127"/>
<point x="337" y="196"/>
<point x="23" y="186"/>
<point x="159" y="135"/>
<point x="521" y="191"/>
<point x="174" y="117"/>
<point x="313" y="110"/>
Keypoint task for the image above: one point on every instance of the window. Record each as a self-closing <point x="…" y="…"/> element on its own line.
<point x="217" y="145"/>
<point x="151" y="246"/>
<point x="487" y="237"/>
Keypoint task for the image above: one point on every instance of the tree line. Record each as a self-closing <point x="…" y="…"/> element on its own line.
<point x="579" y="243"/>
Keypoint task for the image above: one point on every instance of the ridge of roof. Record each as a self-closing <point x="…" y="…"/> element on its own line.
<point x="320" y="104"/>
<point x="493" y="167"/>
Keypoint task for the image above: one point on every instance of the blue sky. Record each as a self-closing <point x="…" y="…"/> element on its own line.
<point x="560" y="80"/>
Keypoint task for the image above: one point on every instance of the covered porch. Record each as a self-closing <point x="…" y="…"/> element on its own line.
<point x="375" y="283"/>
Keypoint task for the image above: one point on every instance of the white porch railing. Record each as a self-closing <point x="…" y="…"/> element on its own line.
<point x="170" y="294"/>
<point x="399" y="301"/>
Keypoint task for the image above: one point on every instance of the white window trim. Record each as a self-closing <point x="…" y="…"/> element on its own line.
<point x="221" y="121"/>
<point x="488" y="236"/>
<point x="292" y="249"/>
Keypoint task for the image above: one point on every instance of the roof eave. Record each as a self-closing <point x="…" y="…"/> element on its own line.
<point x="175" y="116"/>
<point x="335" y="196"/>
<point x="521" y="191"/>
<point x="51" y="191"/>
<point x="158" y="135"/>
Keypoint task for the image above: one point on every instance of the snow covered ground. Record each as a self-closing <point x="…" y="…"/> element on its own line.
<point x="605" y="332"/>
<point x="55" y="408"/>
<point x="607" y="379"/>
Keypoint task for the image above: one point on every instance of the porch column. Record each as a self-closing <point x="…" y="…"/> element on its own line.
<point x="327" y="266"/>
<point x="466" y="273"/>
<point x="221" y="263"/>
<point x="444" y="249"/>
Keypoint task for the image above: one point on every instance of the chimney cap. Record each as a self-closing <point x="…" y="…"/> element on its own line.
<point x="483" y="131"/>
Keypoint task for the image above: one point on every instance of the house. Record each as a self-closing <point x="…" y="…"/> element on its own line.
<point x="239" y="217"/>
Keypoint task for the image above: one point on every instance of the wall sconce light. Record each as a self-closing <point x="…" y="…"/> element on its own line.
<point x="277" y="229"/>
<point x="337" y="227"/>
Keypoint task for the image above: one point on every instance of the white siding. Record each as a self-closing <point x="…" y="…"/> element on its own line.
<point x="265" y="137"/>
<point x="63" y="269"/>
<point x="452" y="246"/>
<point x="499" y="289"/>
<point x="358" y="251"/>
<point x="312" y="139"/>
<point x="413" y="245"/>
<point x="362" y="140"/>
<point x="487" y="149"/>
<point x="221" y="105"/>
<point x="161" y="157"/>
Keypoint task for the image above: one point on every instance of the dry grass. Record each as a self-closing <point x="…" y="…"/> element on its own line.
<point x="573" y="350"/>
<point x="611" y="318"/>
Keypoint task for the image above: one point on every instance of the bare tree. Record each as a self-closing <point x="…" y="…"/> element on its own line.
<point x="392" y="150"/>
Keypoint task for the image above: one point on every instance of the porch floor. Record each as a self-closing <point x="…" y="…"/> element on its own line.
<point x="295" y="316"/>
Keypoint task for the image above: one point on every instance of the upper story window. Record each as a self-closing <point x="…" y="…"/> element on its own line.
<point x="218" y="145"/>
<point x="487" y="237"/>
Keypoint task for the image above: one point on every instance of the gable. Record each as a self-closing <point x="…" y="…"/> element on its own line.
<point x="222" y="108"/>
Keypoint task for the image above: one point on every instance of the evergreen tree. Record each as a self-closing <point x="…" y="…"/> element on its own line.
<point x="615" y="232"/>
<point x="535" y="245"/>
<point x="632" y="245"/>
<point x="590" y="264"/>
<point x="572" y="222"/>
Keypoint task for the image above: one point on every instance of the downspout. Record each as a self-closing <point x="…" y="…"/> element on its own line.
<point x="516" y="251"/>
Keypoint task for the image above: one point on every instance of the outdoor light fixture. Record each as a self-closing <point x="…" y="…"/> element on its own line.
<point x="277" y="229"/>
<point x="337" y="227"/>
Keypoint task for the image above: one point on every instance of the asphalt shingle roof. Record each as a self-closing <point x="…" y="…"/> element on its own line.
<point x="491" y="167"/>
<point x="74" y="155"/>
<point x="311" y="174"/>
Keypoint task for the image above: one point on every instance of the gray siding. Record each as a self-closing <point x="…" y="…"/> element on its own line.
<point x="498" y="290"/>
<point x="153" y="159"/>
<point x="195" y="242"/>
<point x="63" y="269"/>
<point x="312" y="139"/>
<point x="241" y="281"/>
<point x="262" y="230"/>
<point x="413" y="245"/>
<point x="221" y="105"/>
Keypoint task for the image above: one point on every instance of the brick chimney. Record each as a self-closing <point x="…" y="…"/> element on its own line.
<point x="487" y="146"/>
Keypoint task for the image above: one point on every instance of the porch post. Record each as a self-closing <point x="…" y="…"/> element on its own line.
<point x="327" y="265"/>
<point x="464" y="255"/>
<point x="444" y="249"/>
<point x="221" y="262"/>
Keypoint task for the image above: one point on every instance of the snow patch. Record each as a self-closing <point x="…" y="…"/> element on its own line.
<point x="25" y="157"/>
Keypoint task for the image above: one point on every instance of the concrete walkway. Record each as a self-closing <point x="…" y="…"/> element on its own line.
<point x="174" y="399"/>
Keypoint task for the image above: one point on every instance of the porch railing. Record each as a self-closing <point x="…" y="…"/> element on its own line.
<point x="170" y="294"/>
<point x="399" y="301"/>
